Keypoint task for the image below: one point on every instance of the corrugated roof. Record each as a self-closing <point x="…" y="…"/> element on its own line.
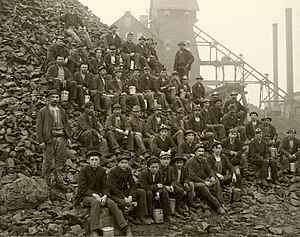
<point x="190" y="5"/>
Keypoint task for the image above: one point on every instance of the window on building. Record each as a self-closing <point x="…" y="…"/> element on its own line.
<point x="127" y="22"/>
<point x="167" y="13"/>
<point x="187" y="15"/>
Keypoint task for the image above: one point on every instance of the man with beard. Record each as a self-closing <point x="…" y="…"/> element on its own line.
<point x="90" y="131"/>
<point x="269" y="132"/>
<point x="99" y="90"/>
<point x="118" y="129"/>
<point x="60" y="78"/>
<point x="94" y="190"/>
<point x="53" y="135"/>
<point x="183" y="60"/>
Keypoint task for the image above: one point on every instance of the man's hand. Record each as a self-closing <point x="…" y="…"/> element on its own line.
<point x="208" y="183"/>
<point x="126" y="133"/>
<point x="95" y="195"/>
<point x="69" y="142"/>
<point x="234" y="179"/>
<point x="159" y="185"/>
<point x="103" y="200"/>
<point x="170" y="189"/>
<point x="43" y="146"/>
<point x="127" y="201"/>
<point x="157" y="196"/>
<point x="221" y="177"/>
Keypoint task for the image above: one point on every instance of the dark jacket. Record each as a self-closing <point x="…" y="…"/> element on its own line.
<point x="239" y="107"/>
<point x="258" y="150"/>
<point x="159" y="145"/>
<point x="143" y="50"/>
<point x="79" y="80"/>
<point x="116" y="88"/>
<point x="152" y="125"/>
<point x="44" y="124"/>
<point x="229" y="121"/>
<point x="95" y="64"/>
<point x="269" y="131"/>
<point x="52" y="73"/>
<point x="198" y="91"/>
<point x="168" y="175"/>
<point x="186" y="149"/>
<point x="184" y="178"/>
<point x="72" y="20"/>
<point x="111" y="41"/>
<point x="121" y="182"/>
<point x="148" y="82"/>
<point x="54" y="50"/>
<point x="226" y="164"/>
<point x="208" y="116"/>
<point x="97" y="84"/>
<point x="250" y="129"/>
<point x="287" y="150"/>
<point x="228" y="147"/>
<point x="138" y="125"/>
<point x="146" y="180"/>
<point x="217" y="113"/>
<point x="135" y="82"/>
<point x="186" y="59"/>
<point x="110" y="123"/>
<point x="198" y="169"/>
<point x="129" y="47"/>
<point x="91" y="181"/>
<point x="84" y="124"/>
<point x="198" y="127"/>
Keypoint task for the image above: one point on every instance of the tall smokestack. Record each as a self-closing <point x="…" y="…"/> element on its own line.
<point x="275" y="61"/>
<point x="289" y="51"/>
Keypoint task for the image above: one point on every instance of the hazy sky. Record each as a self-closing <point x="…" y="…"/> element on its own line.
<point x="243" y="26"/>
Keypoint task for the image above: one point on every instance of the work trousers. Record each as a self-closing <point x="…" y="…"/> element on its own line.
<point x="285" y="162"/>
<point x="126" y="100"/>
<point x="141" y="209"/>
<point x="149" y="96"/>
<point x="228" y="180"/>
<point x="76" y="33"/>
<point x="139" y="141"/>
<point x="101" y="101"/>
<point x="264" y="165"/>
<point x="71" y="86"/>
<point x="242" y="161"/>
<point x="178" y="195"/>
<point x="55" y="157"/>
<point x="95" y="212"/>
<point x="219" y="130"/>
<point x="114" y="138"/>
<point x="182" y="71"/>
<point x="91" y="142"/>
<point x="164" y="201"/>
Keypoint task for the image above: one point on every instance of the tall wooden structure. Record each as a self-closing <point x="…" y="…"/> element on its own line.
<point x="172" y="21"/>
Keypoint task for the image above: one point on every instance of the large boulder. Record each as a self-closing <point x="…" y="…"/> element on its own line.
<point x="24" y="193"/>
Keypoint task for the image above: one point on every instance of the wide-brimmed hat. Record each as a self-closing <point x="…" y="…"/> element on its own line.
<point x="52" y="92"/>
<point x="199" y="78"/>
<point x="117" y="106"/>
<point x="199" y="145"/>
<point x="177" y="158"/>
<point x="113" y="26"/>
<point x="136" y="108"/>
<point x="292" y="131"/>
<point x="253" y="112"/>
<point x="142" y="37"/>
<point x="118" y="69"/>
<point x="181" y="43"/>
<point x="215" y="143"/>
<point x="233" y="93"/>
<point x="197" y="107"/>
<point x="266" y="118"/>
<point x="163" y="126"/>
<point x="189" y="131"/>
<point x="102" y="67"/>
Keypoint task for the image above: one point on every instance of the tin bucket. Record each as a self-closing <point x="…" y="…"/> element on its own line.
<point x="132" y="90"/>
<point x="293" y="167"/>
<point x="64" y="95"/>
<point x="108" y="232"/>
<point x="155" y="102"/>
<point x="273" y="152"/>
<point x="158" y="216"/>
<point x="236" y="194"/>
<point x="146" y="105"/>
<point x="269" y="174"/>
<point x="131" y="64"/>
<point x="172" y="204"/>
<point x="86" y="98"/>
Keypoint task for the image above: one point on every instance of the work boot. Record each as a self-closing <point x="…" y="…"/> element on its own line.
<point x="221" y="211"/>
<point x="127" y="231"/>
<point x="169" y="219"/>
<point x="193" y="204"/>
<point x="181" y="211"/>
<point x="275" y="181"/>
<point x="176" y="214"/>
<point x="264" y="182"/>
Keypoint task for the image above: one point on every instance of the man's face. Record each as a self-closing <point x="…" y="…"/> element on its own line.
<point x="163" y="133"/>
<point x="185" y="81"/>
<point x="60" y="60"/>
<point x="291" y="135"/>
<point x="217" y="149"/>
<point x="199" y="81"/>
<point x="266" y="121"/>
<point x="60" y="42"/>
<point x="218" y="104"/>
<point x="197" y="113"/>
<point x="129" y="37"/>
<point x="72" y="9"/>
<point x="232" y="135"/>
<point x="165" y="161"/>
<point x="136" y="73"/>
<point x="158" y="112"/>
<point x="232" y="111"/>
<point x="90" y="110"/>
<point x="123" y="164"/>
<point x="178" y="164"/>
<point x="118" y="74"/>
<point x="94" y="161"/>
<point x="181" y="46"/>
<point x="114" y="30"/>
<point x="147" y="71"/>
<point x="117" y="111"/>
<point x="259" y="135"/>
<point x="54" y="99"/>
<point x="200" y="152"/>
<point x="154" y="168"/>
<point x="163" y="73"/>
<point x="99" y="53"/>
<point x="190" y="137"/>
<point x="84" y="68"/>
<point x="112" y="52"/>
<point x="103" y="72"/>
<point x="136" y="114"/>
<point x="253" y="117"/>
<point x="206" y="105"/>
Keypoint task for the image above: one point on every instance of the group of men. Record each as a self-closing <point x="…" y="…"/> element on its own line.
<point x="191" y="145"/>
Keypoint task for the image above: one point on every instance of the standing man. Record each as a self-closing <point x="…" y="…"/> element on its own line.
<point x="183" y="60"/>
<point x="53" y="134"/>
<point x="93" y="190"/>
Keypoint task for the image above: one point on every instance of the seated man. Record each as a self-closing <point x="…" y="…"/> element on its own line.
<point x="252" y="125"/>
<point x="222" y="167"/>
<point x="99" y="90"/>
<point x="138" y="128"/>
<point x="198" y="91"/>
<point x="187" y="148"/>
<point x="83" y="80"/>
<point x="177" y="127"/>
<point x="129" y="52"/>
<point x="182" y="179"/>
<point x="185" y="94"/>
<point x="230" y="120"/>
<point x="112" y="60"/>
<point x="269" y="132"/>
<point x="90" y="132"/>
<point x="203" y="177"/>
<point x="198" y="125"/>
<point x="151" y="180"/>
<point x="119" y="90"/>
<point x="155" y="121"/>
<point x="163" y="142"/>
<point x="240" y="110"/>
<point x="60" y="78"/>
<point x="290" y="151"/>
<point x="217" y="109"/>
<point x="259" y="155"/>
<point x="169" y="179"/>
<point x="118" y="130"/>
<point x="124" y="190"/>
<point x="93" y="190"/>
<point x="163" y="84"/>
<point x="96" y="62"/>
<point x="233" y="149"/>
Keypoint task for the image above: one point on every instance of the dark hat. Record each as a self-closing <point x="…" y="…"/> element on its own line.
<point x="181" y="43"/>
<point x="164" y="69"/>
<point x="233" y="130"/>
<point x="184" y="77"/>
<point x="113" y="26"/>
<point x="292" y="130"/>
<point x="89" y="104"/>
<point x="123" y="157"/>
<point x="147" y="68"/>
<point x="189" y="131"/>
<point x="152" y="160"/>
<point x="233" y="93"/>
<point x="102" y="67"/>
<point x="197" y="107"/>
<point x="93" y="153"/>
<point x="215" y="143"/>
<point x="231" y="106"/>
<point x="199" y="145"/>
<point x="266" y="118"/>
<point x="164" y="155"/>
<point x="217" y="99"/>
<point x="258" y="130"/>
<point x="136" y="108"/>
<point x="177" y="158"/>
<point x="180" y="110"/>
<point x="53" y="92"/>
<point x="174" y="73"/>
<point x="112" y="47"/>
<point x="253" y="112"/>
<point x="199" y="78"/>
<point x="136" y="68"/>
<point x="206" y="100"/>
<point x="163" y="126"/>
<point x="117" y="106"/>
<point x="215" y="94"/>
<point x="157" y="107"/>
<point x="118" y="69"/>
<point x="142" y="37"/>
<point x="130" y="33"/>
<point x="97" y="49"/>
